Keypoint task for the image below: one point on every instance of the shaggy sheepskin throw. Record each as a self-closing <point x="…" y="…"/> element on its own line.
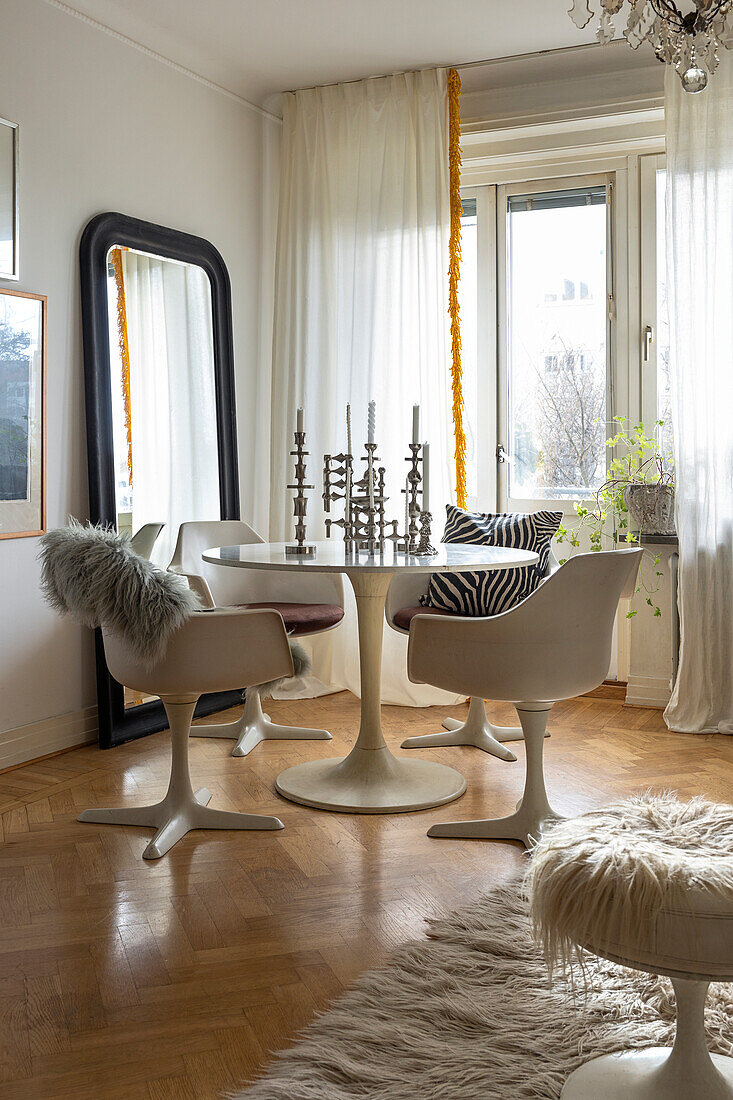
<point x="93" y="574"/>
<point x="603" y="877"/>
<point x="470" y="1014"/>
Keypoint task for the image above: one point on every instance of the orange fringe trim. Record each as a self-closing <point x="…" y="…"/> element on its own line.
<point x="454" y="275"/>
<point x="116" y="261"/>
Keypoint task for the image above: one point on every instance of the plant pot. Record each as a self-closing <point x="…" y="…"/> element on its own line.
<point x="651" y="507"/>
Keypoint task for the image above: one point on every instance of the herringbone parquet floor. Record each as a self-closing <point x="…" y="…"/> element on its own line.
<point x="176" y="980"/>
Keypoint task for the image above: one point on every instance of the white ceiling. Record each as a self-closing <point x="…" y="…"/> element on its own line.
<point x="256" y="48"/>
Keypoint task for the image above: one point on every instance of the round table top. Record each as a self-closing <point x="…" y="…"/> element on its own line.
<point x="331" y="557"/>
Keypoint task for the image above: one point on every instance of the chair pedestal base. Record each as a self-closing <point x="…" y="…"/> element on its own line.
<point x="534" y="815"/>
<point x="182" y="809"/>
<point x="476" y="731"/>
<point x="254" y="726"/>
<point x="684" y="1072"/>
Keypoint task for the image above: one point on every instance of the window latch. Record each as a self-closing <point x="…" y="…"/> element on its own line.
<point x="501" y="454"/>
<point x="648" y="337"/>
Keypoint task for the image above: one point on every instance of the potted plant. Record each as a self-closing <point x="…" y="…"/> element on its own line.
<point x="636" y="498"/>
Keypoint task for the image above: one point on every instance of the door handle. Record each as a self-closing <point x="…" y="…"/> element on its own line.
<point x="648" y="337"/>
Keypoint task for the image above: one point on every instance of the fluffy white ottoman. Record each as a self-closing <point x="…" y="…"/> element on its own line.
<point x="648" y="883"/>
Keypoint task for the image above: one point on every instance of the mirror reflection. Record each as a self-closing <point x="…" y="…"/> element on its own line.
<point x="163" y="395"/>
<point x="163" y="399"/>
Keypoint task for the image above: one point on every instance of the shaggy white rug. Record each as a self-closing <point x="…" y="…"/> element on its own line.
<point x="468" y="1014"/>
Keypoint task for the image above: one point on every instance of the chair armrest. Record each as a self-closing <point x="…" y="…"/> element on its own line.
<point x="197" y="584"/>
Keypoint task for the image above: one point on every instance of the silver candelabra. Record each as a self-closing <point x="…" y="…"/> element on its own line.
<point x="301" y="548"/>
<point x="364" y="520"/>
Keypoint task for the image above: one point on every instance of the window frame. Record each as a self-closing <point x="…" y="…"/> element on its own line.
<point x="505" y="502"/>
<point x="625" y="337"/>
<point x="649" y="165"/>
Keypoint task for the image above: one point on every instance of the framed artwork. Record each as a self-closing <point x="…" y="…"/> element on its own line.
<point x="22" y="414"/>
<point x="8" y="199"/>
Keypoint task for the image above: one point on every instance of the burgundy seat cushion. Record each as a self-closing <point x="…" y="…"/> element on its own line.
<point x="305" y="618"/>
<point x="405" y="615"/>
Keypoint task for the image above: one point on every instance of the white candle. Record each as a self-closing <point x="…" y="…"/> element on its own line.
<point x="299" y="424"/>
<point x="415" y="423"/>
<point x="426" y="477"/>
<point x="371" y="421"/>
<point x="347" y="499"/>
<point x="348" y="429"/>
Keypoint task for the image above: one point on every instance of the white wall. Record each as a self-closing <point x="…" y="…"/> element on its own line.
<point x="105" y="127"/>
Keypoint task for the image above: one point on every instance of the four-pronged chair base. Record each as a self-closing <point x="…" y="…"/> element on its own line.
<point x="477" y="731"/>
<point x="526" y="825"/>
<point x="254" y="726"/>
<point x="182" y="809"/>
<point x="174" y="818"/>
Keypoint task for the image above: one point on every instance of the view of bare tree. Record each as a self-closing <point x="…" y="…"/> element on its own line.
<point x="570" y="419"/>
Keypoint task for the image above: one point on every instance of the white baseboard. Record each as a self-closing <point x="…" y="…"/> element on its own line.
<point x="648" y="691"/>
<point x="65" y="731"/>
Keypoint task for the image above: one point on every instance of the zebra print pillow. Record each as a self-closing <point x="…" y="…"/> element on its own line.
<point x="492" y="591"/>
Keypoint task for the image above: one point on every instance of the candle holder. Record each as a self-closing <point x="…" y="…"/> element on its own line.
<point x="364" y="521"/>
<point x="338" y="484"/>
<point x="412" y="489"/>
<point x="301" y="548"/>
<point x="425" y="549"/>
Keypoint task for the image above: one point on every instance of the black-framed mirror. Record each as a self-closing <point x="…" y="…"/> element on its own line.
<point x="160" y="407"/>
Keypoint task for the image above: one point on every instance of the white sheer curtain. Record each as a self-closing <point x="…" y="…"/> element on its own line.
<point x="361" y="309"/>
<point x="700" y="277"/>
<point x="172" y="396"/>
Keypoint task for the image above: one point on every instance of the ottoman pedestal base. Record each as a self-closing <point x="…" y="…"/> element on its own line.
<point x="640" y="1075"/>
<point x="683" y="1072"/>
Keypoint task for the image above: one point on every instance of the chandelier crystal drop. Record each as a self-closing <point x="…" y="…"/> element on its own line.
<point x="689" y="40"/>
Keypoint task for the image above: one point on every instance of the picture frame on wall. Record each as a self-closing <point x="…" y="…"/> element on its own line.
<point x="22" y="413"/>
<point x="9" y="263"/>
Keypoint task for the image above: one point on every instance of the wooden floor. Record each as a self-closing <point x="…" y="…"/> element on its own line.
<point x="127" y="980"/>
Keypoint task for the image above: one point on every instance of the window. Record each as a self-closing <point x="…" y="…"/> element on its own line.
<point x="553" y="377"/>
<point x="564" y="321"/>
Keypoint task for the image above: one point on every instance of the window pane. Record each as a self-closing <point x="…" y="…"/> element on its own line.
<point x="557" y="365"/>
<point x="664" y="397"/>
<point x="468" y="294"/>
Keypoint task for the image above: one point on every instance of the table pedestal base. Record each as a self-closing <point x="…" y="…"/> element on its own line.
<point x="371" y="781"/>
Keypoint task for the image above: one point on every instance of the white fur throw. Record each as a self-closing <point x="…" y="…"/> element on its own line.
<point x="604" y="876"/>
<point x="93" y="574"/>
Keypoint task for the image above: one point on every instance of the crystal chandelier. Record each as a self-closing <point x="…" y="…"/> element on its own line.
<point x="689" y="41"/>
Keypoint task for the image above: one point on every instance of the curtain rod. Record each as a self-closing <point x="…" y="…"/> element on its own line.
<point x="581" y="47"/>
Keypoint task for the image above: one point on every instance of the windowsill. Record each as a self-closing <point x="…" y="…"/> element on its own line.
<point x="660" y="540"/>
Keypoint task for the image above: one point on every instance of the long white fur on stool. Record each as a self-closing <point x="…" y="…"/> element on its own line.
<point x="648" y="883"/>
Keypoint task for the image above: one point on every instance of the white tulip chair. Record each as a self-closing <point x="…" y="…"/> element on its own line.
<point x="554" y="645"/>
<point x="212" y="651"/>
<point x="403" y="603"/>
<point x="145" y="538"/>
<point x="308" y="605"/>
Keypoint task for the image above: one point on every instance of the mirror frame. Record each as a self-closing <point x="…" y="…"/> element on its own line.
<point x="116" y="723"/>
